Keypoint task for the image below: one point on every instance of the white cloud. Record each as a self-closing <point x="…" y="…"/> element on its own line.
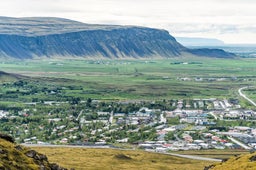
<point x="209" y="18"/>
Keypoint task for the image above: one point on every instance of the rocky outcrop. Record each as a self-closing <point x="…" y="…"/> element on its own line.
<point x="55" y="37"/>
<point x="17" y="157"/>
<point x="7" y="138"/>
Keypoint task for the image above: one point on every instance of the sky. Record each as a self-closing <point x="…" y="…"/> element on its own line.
<point x="232" y="21"/>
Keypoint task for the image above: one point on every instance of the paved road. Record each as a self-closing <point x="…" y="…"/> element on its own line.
<point x="215" y="117"/>
<point x="239" y="143"/>
<point x="194" y="157"/>
<point x="177" y="137"/>
<point x="244" y="96"/>
<point x="111" y="118"/>
<point x="81" y="112"/>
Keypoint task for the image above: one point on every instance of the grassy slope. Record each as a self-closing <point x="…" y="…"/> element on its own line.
<point x="80" y="159"/>
<point x="242" y="162"/>
<point x="11" y="158"/>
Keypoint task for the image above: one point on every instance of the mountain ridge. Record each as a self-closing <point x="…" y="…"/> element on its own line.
<point x="27" y="38"/>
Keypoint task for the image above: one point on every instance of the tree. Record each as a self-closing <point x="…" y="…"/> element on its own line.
<point x="170" y="136"/>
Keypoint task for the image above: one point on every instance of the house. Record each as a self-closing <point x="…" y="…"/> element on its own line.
<point x="144" y="112"/>
<point x="204" y="145"/>
<point x="54" y="120"/>
<point x="169" y="114"/>
<point x="161" y="149"/>
<point x="193" y="146"/>
<point x="64" y="141"/>
<point x="125" y="140"/>
<point x="103" y="113"/>
<point x="119" y="114"/>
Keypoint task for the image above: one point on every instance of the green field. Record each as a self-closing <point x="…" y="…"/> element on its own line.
<point x="251" y="93"/>
<point x="177" y="78"/>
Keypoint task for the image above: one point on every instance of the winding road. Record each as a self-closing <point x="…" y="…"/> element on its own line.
<point x="244" y="96"/>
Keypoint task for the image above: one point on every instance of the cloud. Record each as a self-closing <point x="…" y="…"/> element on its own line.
<point x="190" y="17"/>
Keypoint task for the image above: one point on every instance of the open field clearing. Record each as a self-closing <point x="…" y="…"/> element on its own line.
<point x="80" y="159"/>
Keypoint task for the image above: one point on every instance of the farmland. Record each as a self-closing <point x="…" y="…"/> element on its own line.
<point x="139" y="79"/>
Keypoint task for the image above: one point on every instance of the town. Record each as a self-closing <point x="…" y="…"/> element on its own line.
<point x="161" y="126"/>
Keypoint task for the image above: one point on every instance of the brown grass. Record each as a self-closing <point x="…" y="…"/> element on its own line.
<point x="111" y="159"/>
<point x="243" y="162"/>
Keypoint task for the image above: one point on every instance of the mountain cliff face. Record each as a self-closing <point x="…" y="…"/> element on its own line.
<point x="50" y="37"/>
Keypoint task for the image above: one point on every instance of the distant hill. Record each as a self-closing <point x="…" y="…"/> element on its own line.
<point x="24" y="38"/>
<point x="188" y="41"/>
<point x="7" y="77"/>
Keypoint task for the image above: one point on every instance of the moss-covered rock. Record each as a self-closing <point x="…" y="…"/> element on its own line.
<point x="17" y="157"/>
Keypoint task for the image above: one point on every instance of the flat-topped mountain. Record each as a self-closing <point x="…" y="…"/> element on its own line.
<point x="57" y="37"/>
<point x="42" y="26"/>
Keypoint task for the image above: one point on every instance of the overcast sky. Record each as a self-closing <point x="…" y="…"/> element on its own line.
<point x="233" y="21"/>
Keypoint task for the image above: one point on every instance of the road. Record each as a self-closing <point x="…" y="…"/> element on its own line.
<point x="194" y="157"/>
<point x="111" y="118"/>
<point x="177" y="137"/>
<point x="239" y="143"/>
<point x="215" y="117"/>
<point x="244" y="96"/>
<point x="81" y="112"/>
<point x="162" y="118"/>
<point x="106" y="146"/>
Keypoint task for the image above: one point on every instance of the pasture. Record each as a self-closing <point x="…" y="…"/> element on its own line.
<point x="176" y="78"/>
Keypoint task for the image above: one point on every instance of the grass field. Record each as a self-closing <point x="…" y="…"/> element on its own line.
<point x="251" y="93"/>
<point x="82" y="159"/>
<point x="141" y="79"/>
